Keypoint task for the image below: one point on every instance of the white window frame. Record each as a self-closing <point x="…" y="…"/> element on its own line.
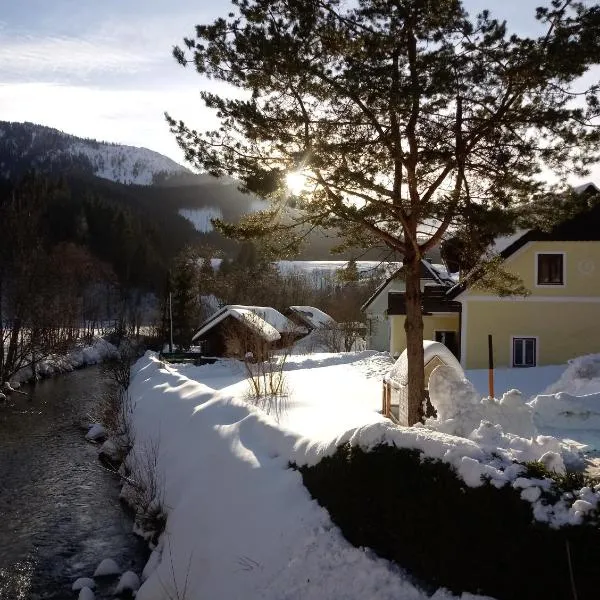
<point x="512" y="349"/>
<point x="564" y="274"/>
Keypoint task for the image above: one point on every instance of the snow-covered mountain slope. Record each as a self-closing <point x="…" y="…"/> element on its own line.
<point x="26" y="145"/>
<point x="200" y="217"/>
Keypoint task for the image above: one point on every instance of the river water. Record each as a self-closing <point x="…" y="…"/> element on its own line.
<point x="59" y="508"/>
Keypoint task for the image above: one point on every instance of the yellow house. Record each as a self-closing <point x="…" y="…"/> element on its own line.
<point x="558" y="320"/>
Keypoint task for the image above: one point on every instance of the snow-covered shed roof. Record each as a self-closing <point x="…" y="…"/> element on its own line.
<point x="431" y="349"/>
<point x="265" y="320"/>
<point x="315" y="317"/>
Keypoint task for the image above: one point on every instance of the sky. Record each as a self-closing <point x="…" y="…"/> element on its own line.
<point x="103" y="68"/>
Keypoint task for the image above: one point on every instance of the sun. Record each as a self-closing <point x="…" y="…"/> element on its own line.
<point x="295" y="182"/>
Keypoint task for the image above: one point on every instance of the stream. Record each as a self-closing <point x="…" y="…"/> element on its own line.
<point x="59" y="509"/>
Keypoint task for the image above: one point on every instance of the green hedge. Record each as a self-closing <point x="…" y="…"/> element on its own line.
<point x="421" y="515"/>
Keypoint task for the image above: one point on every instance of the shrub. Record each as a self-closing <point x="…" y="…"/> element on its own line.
<point x="418" y="513"/>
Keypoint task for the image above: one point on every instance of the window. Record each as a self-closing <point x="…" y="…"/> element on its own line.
<point x="449" y="339"/>
<point x="524" y="352"/>
<point x="550" y="269"/>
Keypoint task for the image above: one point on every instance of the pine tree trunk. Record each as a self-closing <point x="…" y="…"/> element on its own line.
<point x="413" y="326"/>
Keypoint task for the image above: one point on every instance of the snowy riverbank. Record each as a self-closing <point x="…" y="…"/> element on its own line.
<point x="82" y="355"/>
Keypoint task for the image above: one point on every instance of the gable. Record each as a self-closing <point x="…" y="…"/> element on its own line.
<point x="583" y="227"/>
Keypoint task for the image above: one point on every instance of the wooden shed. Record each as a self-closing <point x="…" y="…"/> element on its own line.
<point x="395" y="384"/>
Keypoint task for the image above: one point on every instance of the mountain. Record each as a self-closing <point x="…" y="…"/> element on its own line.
<point x="171" y="205"/>
<point x="24" y="146"/>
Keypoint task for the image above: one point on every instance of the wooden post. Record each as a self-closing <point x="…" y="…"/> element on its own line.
<point x="170" y="323"/>
<point x="490" y="367"/>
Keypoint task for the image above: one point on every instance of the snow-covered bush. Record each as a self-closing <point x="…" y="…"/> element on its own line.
<point x="420" y="513"/>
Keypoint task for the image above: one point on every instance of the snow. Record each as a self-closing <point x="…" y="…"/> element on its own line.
<point x="96" y="352"/>
<point x="83" y="582"/>
<point x="129" y="581"/>
<point x="96" y="433"/>
<point x="323" y="267"/>
<point x="460" y="409"/>
<point x="86" y="594"/>
<point x="443" y="274"/>
<point x="106" y="568"/>
<point x="240" y="522"/>
<point x="530" y="381"/>
<point x="399" y="372"/>
<point x="264" y="320"/>
<point x="314" y="316"/>
<point x="246" y="316"/>
<point x="201" y="217"/>
<point x="501" y="243"/>
<point x="124" y="164"/>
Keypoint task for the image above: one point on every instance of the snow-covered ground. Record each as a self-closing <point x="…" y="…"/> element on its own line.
<point x="240" y="522"/>
<point x="529" y="382"/>
<point x="565" y="398"/>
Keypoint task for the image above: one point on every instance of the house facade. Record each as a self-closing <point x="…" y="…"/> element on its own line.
<point x="558" y="320"/>
<point x="385" y="311"/>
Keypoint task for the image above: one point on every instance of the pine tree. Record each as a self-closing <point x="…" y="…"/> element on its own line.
<point x="407" y="118"/>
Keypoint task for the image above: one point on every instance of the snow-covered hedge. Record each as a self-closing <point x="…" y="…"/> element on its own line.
<point x="419" y="512"/>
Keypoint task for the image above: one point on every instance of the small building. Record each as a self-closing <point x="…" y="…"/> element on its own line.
<point x="310" y="317"/>
<point x="395" y="383"/>
<point x="235" y="330"/>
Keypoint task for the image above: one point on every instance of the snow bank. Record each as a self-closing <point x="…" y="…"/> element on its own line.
<point x="107" y="568"/>
<point x="460" y="409"/>
<point x="565" y="411"/>
<point x="240" y="522"/>
<point x="580" y="378"/>
<point x="98" y="351"/>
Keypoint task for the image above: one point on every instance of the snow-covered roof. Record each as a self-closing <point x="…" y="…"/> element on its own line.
<point x="578" y="189"/>
<point x="501" y="243"/>
<point x="442" y="273"/>
<point x="249" y="318"/>
<point x="265" y="320"/>
<point x="313" y="316"/>
<point x="399" y="372"/>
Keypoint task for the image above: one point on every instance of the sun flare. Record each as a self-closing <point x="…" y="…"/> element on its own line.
<point x="295" y="182"/>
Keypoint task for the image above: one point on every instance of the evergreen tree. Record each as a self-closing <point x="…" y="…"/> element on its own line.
<point x="184" y="287"/>
<point x="407" y="118"/>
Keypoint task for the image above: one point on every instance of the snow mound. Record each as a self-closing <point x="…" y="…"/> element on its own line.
<point x="96" y="433"/>
<point x="83" y="582"/>
<point x="460" y="409"/>
<point x="580" y="378"/>
<point x="565" y="411"/>
<point x="129" y="581"/>
<point x="86" y="594"/>
<point x="107" y="567"/>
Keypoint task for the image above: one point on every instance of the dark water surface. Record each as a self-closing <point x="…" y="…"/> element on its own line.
<point x="59" y="509"/>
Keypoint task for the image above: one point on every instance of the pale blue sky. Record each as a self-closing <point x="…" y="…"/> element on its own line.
<point x="103" y="68"/>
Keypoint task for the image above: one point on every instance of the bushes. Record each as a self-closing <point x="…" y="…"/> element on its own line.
<point x="419" y="514"/>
